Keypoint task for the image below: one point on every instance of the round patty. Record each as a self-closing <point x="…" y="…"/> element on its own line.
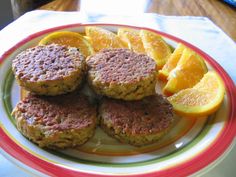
<point x="56" y="122"/>
<point x="122" y="74"/>
<point x="49" y="69"/>
<point x="136" y="122"/>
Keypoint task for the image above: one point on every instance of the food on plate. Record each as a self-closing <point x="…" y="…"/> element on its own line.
<point x="102" y="38"/>
<point x="71" y="39"/>
<point x="201" y="100"/>
<point x="155" y="47"/>
<point x="122" y="74"/>
<point x="132" y="38"/>
<point x="56" y="122"/>
<point x="171" y="62"/>
<point x="49" y="69"/>
<point x="188" y="72"/>
<point x="122" y="80"/>
<point x="139" y="122"/>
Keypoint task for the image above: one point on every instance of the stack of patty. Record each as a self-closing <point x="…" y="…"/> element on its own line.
<point x="131" y="112"/>
<point x="57" y="115"/>
<point x="45" y="116"/>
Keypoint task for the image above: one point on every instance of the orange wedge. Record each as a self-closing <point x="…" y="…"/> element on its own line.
<point x="188" y="72"/>
<point x="132" y="38"/>
<point x="155" y="47"/>
<point x="71" y="39"/>
<point x="201" y="100"/>
<point x="102" y="38"/>
<point x="171" y="62"/>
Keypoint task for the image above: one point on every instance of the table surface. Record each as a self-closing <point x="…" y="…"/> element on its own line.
<point x="219" y="12"/>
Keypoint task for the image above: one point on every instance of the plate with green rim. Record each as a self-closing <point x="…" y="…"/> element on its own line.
<point x="184" y="150"/>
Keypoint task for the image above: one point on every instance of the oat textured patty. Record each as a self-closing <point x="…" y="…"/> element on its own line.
<point x="49" y="69"/>
<point x="56" y="122"/>
<point x="122" y="74"/>
<point x="136" y="122"/>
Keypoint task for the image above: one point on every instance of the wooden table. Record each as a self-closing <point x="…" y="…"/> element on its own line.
<point x="219" y="12"/>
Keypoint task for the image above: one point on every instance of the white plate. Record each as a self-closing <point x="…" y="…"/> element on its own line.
<point x="184" y="150"/>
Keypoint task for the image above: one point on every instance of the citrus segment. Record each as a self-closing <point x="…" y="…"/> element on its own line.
<point x="201" y="100"/>
<point x="102" y="38"/>
<point x="171" y="62"/>
<point x="132" y="38"/>
<point x="155" y="47"/>
<point x="188" y="72"/>
<point x="71" y="39"/>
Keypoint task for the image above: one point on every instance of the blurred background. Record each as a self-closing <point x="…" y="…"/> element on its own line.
<point x="221" y="12"/>
<point x="6" y="13"/>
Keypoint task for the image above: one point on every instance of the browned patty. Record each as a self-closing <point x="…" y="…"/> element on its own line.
<point x="49" y="70"/>
<point x="122" y="74"/>
<point x="136" y="122"/>
<point x="56" y="122"/>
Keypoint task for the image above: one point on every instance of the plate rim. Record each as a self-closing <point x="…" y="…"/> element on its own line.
<point x="183" y="169"/>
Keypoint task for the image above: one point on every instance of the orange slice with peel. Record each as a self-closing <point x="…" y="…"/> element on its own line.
<point x="102" y="38"/>
<point x="71" y="39"/>
<point x="188" y="72"/>
<point x="132" y="38"/>
<point x="155" y="47"/>
<point x="201" y="100"/>
<point x="171" y="62"/>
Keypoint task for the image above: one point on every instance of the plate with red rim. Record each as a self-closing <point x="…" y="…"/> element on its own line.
<point x="184" y="150"/>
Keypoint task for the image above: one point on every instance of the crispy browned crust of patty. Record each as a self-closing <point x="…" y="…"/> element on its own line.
<point x="122" y="74"/>
<point x="49" y="69"/>
<point x="136" y="122"/>
<point x="56" y="122"/>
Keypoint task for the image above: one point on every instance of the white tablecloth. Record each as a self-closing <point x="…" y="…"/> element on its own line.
<point x="199" y="31"/>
